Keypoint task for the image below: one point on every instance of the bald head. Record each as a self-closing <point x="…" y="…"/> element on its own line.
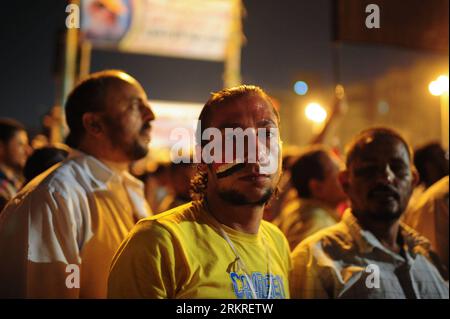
<point x="91" y="95"/>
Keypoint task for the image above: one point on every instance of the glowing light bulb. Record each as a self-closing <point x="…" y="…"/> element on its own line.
<point x="315" y="112"/>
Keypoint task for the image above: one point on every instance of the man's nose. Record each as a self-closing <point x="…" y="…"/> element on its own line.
<point x="386" y="174"/>
<point x="28" y="149"/>
<point x="262" y="152"/>
<point x="147" y="113"/>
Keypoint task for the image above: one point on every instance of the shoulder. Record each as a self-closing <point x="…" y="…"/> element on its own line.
<point x="59" y="178"/>
<point x="271" y="229"/>
<point x="275" y="234"/>
<point x="56" y="186"/>
<point x="415" y="240"/>
<point x="148" y="232"/>
<point x="162" y="232"/>
<point x="171" y="221"/>
<point x="188" y="212"/>
<point x="334" y="239"/>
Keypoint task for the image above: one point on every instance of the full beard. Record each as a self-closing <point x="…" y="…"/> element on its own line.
<point x="379" y="214"/>
<point x="138" y="151"/>
<point x="239" y="199"/>
<point x="134" y="150"/>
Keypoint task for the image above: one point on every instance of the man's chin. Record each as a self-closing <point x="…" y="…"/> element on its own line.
<point x="140" y="152"/>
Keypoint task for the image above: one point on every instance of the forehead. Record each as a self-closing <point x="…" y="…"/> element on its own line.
<point x="20" y="135"/>
<point x="382" y="149"/>
<point x="19" y="138"/>
<point x="332" y="161"/>
<point x="121" y="89"/>
<point x="250" y="110"/>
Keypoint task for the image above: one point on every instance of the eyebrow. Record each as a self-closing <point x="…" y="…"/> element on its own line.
<point x="396" y="159"/>
<point x="264" y="122"/>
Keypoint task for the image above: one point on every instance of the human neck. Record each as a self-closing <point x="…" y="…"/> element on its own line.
<point x="385" y="232"/>
<point x="325" y="202"/>
<point x="245" y="218"/>
<point x="119" y="167"/>
<point x="105" y="156"/>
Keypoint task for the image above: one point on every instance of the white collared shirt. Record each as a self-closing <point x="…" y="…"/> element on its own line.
<point x="76" y="214"/>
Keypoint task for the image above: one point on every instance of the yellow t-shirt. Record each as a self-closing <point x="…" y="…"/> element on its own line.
<point x="181" y="254"/>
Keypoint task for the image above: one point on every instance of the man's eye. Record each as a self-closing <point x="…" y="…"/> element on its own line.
<point x="400" y="169"/>
<point x="269" y="133"/>
<point x="135" y="104"/>
<point x="365" y="170"/>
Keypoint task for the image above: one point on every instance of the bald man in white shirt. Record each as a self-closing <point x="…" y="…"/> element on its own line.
<point x="59" y="234"/>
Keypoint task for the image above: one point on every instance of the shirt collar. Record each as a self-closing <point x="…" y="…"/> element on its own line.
<point x="101" y="173"/>
<point x="413" y="243"/>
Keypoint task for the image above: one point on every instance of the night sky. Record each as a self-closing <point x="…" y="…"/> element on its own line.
<point x="286" y="41"/>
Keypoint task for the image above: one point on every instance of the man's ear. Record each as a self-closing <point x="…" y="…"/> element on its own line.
<point x="2" y="149"/>
<point x="92" y="123"/>
<point x="416" y="177"/>
<point x="344" y="180"/>
<point x="314" y="186"/>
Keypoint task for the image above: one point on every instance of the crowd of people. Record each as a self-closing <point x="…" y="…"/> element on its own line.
<point x="76" y="221"/>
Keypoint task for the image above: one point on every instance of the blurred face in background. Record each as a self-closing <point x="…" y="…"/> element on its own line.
<point x="15" y="152"/>
<point x="329" y="190"/>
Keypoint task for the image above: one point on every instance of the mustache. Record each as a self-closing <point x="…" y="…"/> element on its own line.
<point x="228" y="170"/>
<point x="146" y="126"/>
<point x="386" y="189"/>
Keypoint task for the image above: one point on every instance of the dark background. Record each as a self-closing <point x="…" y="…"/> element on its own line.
<point x="287" y="40"/>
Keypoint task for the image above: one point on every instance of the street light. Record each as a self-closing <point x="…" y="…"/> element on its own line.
<point x="315" y="113"/>
<point x="439" y="87"/>
<point x="300" y="87"/>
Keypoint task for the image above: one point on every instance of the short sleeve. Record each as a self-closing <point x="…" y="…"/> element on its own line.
<point x="147" y="264"/>
<point x="38" y="241"/>
<point x="305" y="282"/>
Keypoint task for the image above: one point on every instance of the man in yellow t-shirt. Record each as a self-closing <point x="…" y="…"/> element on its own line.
<point x="217" y="246"/>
